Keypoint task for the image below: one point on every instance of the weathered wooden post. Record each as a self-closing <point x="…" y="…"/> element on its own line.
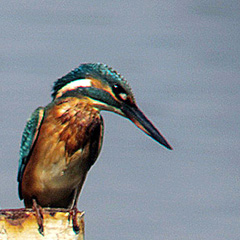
<point x="21" y="224"/>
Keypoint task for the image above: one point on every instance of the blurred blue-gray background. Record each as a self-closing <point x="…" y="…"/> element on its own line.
<point x="181" y="59"/>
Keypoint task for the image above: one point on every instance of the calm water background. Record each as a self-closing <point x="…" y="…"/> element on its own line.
<point x="182" y="60"/>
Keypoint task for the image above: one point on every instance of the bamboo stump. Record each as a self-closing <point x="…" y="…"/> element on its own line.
<point x="21" y="224"/>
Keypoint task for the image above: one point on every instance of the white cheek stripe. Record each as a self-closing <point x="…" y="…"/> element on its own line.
<point x="104" y="106"/>
<point x="74" y="85"/>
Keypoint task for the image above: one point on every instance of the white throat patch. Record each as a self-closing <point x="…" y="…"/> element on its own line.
<point x="74" y="85"/>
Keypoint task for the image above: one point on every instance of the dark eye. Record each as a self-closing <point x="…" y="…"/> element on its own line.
<point x="119" y="92"/>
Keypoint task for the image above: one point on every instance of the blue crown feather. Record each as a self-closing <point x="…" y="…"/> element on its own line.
<point x="94" y="70"/>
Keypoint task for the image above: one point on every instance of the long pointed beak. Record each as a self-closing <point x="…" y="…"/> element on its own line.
<point x="142" y="122"/>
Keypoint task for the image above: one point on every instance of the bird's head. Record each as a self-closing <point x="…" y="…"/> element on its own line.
<point x="105" y="89"/>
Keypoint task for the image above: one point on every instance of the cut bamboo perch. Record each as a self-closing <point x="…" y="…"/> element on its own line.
<point x="22" y="224"/>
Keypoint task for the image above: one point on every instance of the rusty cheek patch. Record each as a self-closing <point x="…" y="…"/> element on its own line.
<point x="101" y="85"/>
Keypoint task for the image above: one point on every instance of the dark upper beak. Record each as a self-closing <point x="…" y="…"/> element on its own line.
<point x="141" y="121"/>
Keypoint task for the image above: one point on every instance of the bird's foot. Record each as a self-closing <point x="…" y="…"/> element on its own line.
<point x="73" y="214"/>
<point x="39" y="215"/>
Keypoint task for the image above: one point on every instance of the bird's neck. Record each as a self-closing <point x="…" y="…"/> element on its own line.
<point x="72" y="118"/>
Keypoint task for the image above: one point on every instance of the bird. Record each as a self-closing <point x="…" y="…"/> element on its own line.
<point x="62" y="140"/>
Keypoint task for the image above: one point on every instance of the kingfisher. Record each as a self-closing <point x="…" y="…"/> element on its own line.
<point x="62" y="140"/>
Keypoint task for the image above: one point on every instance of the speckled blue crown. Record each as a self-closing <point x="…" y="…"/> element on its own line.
<point x="86" y="70"/>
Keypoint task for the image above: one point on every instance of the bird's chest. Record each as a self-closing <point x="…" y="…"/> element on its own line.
<point x="68" y="144"/>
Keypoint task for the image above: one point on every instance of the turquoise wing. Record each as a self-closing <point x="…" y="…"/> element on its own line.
<point x="29" y="137"/>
